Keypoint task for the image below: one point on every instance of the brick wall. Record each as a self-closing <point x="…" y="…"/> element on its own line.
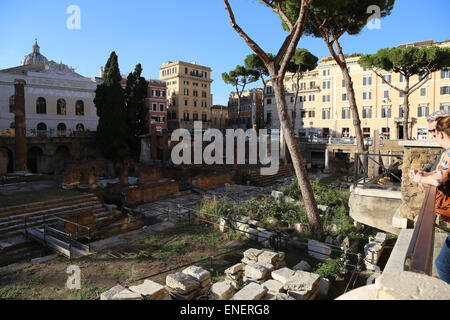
<point x="144" y="193"/>
<point x="150" y="175"/>
<point x="204" y="182"/>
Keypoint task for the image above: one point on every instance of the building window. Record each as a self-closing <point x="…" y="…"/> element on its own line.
<point x="367" y="113"/>
<point x="154" y="107"/>
<point x="312" y="84"/>
<point x="41" y="106"/>
<point x="195" y="103"/>
<point x="345" y="132"/>
<point x="386" y="112"/>
<point x="79" y="108"/>
<point x="204" y="105"/>
<point x="203" y="94"/>
<point x="326" y="98"/>
<point x="386" y="94"/>
<point x="269" y="117"/>
<point x="422" y="75"/>
<point x="367" y="81"/>
<point x="311" y="114"/>
<point x="422" y="111"/>
<point x="80" y="127"/>
<point x="269" y="101"/>
<point x="326" y="72"/>
<point x="326" y="85"/>
<point x="445" y="73"/>
<point x="186" y="70"/>
<point x="367" y="95"/>
<point x="346" y="113"/>
<point x="445" y="90"/>
<point x="423" y="92"/>
<point x="195" y="116"/>
<point x="343" y="83"/>
<point x="195" y="93"/>
<point x="344" y="97"/>
<point x="41" y="127"/>
<point x="174" y="115"/>
<point x="61" y="107"/>
<point x="11" y="104"/>
<point x="386" y="133"/>
<point x="61" y="129"/>
<point x="185" y="103"/>
<point x="366" y="132"/>
<point x="326" y="114"/>
<point x="387" y="78"/>
<point x="422" y="133"/>
<point x="161" y="107"/>
<point x="186" y="115"/>
<point x="186" y="92"/>
<point x="312" y="97"/>
<point x="445" y="107"/>
<point x="401" y="111"/>
<point x="402" y="78"/>
<point x="269" y="90"/>
<point x="204" y="116"/>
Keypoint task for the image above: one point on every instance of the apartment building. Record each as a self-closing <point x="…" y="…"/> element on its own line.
<point x="251" y="110"/>
<point x="219" y="117"/>
<point x="324" y="109"/>
<point x="157" y="104"/>
<point x="188" y="92"/>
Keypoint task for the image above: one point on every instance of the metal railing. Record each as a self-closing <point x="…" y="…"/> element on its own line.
<point x="363" y="177"/>
<point x="419" y="257"/>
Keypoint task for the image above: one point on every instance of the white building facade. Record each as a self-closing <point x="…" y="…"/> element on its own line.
<point x="58" y="101"/>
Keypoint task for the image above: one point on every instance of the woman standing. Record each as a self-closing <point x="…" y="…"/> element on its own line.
<point x="441" y="179"/>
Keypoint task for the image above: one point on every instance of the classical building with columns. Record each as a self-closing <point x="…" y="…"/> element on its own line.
<point x="58" y="101"/>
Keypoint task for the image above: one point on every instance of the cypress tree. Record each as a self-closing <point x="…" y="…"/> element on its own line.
<point x="137" y="110"/>
<point x="110" y="103"/>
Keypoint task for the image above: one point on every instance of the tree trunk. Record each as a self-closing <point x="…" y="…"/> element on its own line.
<point x="352" y="100"/>
<point x="297" y="159"/>
<point x="406" y="113"/>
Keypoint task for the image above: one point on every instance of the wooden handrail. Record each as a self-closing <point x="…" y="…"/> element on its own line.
<point x="420" y="252"/>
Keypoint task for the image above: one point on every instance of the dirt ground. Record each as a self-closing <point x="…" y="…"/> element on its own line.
<point x="126" y="264"/>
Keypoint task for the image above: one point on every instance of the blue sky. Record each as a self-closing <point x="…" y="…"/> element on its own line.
<point x="153" y="32"/>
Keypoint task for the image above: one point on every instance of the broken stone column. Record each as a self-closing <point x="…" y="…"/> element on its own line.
<point x="20" y="126"/>
<point x="145" y="155"/>
<point x="165" y="145"/>
<point x="154" y="143"/>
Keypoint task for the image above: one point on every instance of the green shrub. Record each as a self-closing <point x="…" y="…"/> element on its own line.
<point x="330" y="268"/>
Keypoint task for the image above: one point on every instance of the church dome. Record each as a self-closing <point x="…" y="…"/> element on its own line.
<point x="35" y="57"/>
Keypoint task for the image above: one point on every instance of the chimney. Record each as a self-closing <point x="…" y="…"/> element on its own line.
<point x="101" y="72"/>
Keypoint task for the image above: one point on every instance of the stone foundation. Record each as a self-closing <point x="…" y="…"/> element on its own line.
<point x="209" y="181"/>
<point x="417" y="155"/>
<point x="143" y="193"/>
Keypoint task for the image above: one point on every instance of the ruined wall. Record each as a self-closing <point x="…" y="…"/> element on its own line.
<point x="417" y="155"/>
<point x="209" y="181"/>
<point x="150" y="174"/>
<point x="140" y="194"/>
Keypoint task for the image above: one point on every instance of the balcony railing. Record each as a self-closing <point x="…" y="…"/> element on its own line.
<point x="419" y="257"/>
<point x="362" y="176"/>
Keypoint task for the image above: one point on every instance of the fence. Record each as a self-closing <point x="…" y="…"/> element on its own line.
<point x="367" y="162"/>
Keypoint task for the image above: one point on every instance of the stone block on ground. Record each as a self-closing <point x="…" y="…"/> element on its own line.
<point x="274" y="286"/>
<point x="252" y="254"/>
<point x="252" y="291"/>
<point x="126" y="295"/>
<point x="318" y="250"/>
<point x="150" y="290"/>
<point x="302" y="281"/>
<point x="221" y="290"/>
<point x="302" y="266"/>
<point x="198" y="273"/>
<point x="257" y="270"/>
<point x="269" y="257"/>
<point x="236" y="268"/>
<point x="182" y="283"/>
<point x="111" y="292"/>
<point x="282" y="275"/>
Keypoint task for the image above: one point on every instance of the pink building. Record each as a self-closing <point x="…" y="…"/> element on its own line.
<point x="157" y="104"/>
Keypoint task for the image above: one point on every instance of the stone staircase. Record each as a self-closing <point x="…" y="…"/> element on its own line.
<point x="13" y="221"/>
<point x="264" y="181"/>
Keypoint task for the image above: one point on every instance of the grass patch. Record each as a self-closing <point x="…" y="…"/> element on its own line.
<point x="87" y="292"/>
<point x="121" y="274"/>
<point x="176" y="248"/>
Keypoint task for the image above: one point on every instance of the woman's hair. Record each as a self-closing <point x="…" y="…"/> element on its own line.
<point x="443" y="124"/>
